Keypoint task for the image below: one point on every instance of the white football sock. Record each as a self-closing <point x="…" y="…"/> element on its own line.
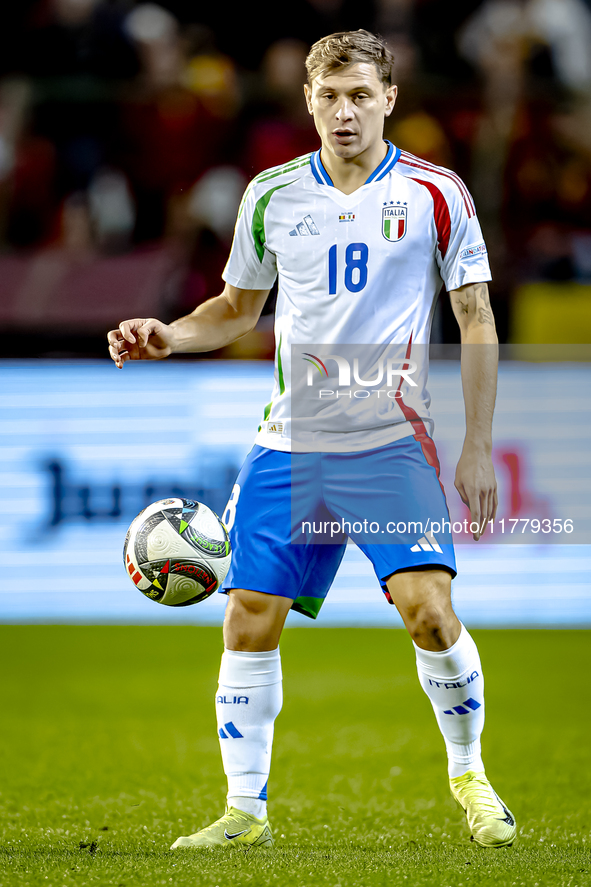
<point x="452" y="679"/>
<point x="248" y="699"/>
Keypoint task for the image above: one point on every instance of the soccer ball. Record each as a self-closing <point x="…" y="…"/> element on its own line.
<point x="177" y="552"/>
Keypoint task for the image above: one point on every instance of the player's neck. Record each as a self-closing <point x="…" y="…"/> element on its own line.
<point x="349" y="174"/>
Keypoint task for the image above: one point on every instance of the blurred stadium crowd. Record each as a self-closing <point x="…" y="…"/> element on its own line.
<point x="128" y="131"/>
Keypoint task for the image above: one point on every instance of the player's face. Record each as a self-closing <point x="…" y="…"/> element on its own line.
<point x="349" y="108"/>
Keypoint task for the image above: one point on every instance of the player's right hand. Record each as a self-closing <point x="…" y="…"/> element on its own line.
<point x="143" y="338"/>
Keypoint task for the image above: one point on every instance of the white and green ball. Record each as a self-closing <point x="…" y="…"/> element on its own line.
<point x="177" y="552"/>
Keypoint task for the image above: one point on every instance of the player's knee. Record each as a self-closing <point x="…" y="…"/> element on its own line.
<point x="430" y="624"/>
<point x="254" y="620"/>
<point x="424" y="618"/>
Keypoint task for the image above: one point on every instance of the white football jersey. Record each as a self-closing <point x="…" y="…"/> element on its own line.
<point x="359" y="275"/>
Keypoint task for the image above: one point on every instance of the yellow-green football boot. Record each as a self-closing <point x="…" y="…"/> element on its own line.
<point x="491" y="822"/>
<point x="235" y="829"/>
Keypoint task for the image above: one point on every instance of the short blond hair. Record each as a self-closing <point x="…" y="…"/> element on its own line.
<point x="346" y="48"/>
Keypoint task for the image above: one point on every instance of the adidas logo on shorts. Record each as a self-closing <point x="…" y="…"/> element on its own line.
<point x="428" y="542"/>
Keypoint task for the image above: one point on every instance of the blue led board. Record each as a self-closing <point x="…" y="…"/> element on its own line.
<point x="83" y="447"/>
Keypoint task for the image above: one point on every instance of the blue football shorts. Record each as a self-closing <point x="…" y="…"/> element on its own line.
<point x="290" y="514"/>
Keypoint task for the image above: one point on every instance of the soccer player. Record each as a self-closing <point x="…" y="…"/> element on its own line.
<point x="360" y="235"/>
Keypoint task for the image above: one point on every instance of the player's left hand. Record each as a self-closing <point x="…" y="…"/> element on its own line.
<point x="476" y="483"/>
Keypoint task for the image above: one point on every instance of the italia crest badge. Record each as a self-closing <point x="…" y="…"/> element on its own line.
<point x="394" y="220"/>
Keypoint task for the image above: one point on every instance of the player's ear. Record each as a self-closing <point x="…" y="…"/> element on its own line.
<point x="390" y="97"/>
<point x="308" y="94"/>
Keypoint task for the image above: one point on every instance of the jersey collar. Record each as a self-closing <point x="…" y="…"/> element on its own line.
<point x="388" y="163"/>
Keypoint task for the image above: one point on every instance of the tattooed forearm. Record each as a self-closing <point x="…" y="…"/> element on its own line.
<point x="473" y="304"/>
<point x="463" y="301"/>
<point x="485" y="316"/>
<point x="481" y="290"/>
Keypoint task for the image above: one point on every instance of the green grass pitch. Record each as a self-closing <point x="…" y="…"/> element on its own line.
<point x="108" y="752"/>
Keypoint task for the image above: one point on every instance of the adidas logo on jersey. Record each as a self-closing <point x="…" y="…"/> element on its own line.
<point x="306" y="227"/>
<point x="427" y="543"/>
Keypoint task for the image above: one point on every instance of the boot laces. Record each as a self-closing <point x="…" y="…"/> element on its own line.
<point x="228" y="819"/>
<point x="482" y="793"/>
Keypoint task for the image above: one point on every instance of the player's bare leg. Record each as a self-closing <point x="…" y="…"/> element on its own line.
<point x="254" y="621"/>
<point x="451" y="675"/>
<point x="423" y="599"/>
<point x="248" y="699"/>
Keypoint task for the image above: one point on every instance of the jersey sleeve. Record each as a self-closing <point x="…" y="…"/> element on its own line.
<point x="250" y="264"/>
<point x="465" y="259"/>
